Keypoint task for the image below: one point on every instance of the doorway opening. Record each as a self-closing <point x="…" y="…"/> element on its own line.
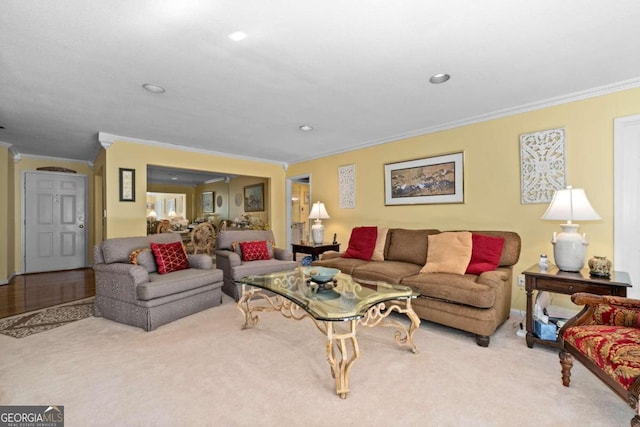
<point x="298" y="194"/>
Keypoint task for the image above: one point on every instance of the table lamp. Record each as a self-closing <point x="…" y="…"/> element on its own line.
<point x="569" y="247"/>
<point x="318" y="212"/>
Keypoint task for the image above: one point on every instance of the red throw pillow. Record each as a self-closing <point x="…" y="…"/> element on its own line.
<point x="485" y="253"/>
<point x="362" y="243"/>
<point x="170" y="257"/>
<point x="254" y="250"/>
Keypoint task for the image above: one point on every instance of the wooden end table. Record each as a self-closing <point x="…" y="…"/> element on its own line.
<point x="314" y="249"/>
<point x="554" y="280"/>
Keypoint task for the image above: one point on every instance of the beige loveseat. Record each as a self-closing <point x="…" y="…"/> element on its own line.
<point x="137" y="295"/>
<point x="472" y="303"/>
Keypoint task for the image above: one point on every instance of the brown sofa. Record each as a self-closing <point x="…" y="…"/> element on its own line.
<point x="472" y="303"/>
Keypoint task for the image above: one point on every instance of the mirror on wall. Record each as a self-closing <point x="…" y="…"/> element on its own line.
<point x="205" y="194"/>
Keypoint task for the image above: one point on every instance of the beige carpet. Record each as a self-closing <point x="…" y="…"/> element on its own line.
<point x="204" y="371"/>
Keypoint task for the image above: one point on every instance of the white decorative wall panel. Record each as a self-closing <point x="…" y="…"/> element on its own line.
<point x="542" y="165"/>
<point x="347" y="184"/>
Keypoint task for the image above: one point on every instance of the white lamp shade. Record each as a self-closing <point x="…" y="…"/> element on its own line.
<point x="152" y="214"/>
<point x="319" y="211"/>
<point x="570" y="204"/>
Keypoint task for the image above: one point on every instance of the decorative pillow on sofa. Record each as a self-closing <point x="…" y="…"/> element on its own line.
<point x="170" y="257"/>
<point x="362" y="243"/>
<point x="485" y="254"/>
<point x="145" y="258"/>
<point x="448" y="252"/>
<point x="235" y="247"/>
<point x="381" y="240"/>
<point x="254" y="250"/>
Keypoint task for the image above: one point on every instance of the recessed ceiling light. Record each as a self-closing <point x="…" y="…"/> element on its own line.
<point x="237" y="36"/>
<point x="153" y="88"/>
<point x="439" y="78"/>
<point x="306" y="128"/>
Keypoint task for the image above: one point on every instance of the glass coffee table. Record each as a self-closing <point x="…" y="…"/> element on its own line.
<point x="336" y="308"/>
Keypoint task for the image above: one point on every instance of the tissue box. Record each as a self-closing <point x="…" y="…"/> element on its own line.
<point x="544" y="330"/>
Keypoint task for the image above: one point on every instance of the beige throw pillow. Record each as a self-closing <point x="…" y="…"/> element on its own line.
<point x="378" y="251"/>
<point x="448" y="252"/>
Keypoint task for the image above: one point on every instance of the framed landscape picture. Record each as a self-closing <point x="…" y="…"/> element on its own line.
<point x="430" y="180"/>
<point x="254" y="198"/>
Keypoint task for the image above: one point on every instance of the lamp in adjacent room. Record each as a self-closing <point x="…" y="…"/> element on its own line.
<point x="152" y="215"/>
<point x="569" y="247"/>
<point x="318" y="212"/>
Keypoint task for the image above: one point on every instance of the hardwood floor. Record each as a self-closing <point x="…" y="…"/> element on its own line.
<point x="30" y="292"/>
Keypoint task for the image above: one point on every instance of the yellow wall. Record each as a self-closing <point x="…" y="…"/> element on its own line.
<point x="491" y="177"/>
<point x="31" y="164"/>
<point x="128" y="219"/>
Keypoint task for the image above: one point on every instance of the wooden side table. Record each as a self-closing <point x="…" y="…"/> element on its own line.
<point x="314" y="249"/>
<point x="563" y="282"/>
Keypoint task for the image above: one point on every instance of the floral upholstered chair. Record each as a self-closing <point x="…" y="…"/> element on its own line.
<point x="605" y="338"/>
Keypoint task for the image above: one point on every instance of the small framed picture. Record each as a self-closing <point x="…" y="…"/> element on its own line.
<point x="207" y="202"/>
<point x="127" y="185"/>
<point x="254" y="198"/>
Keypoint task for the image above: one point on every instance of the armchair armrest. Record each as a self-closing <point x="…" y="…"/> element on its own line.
<point x="119" y="280"/>
<point x="200" y="261"/>
<point x="605" y="310"/>
<point x="282" y="254"/>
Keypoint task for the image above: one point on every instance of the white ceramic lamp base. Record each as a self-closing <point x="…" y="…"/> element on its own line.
<point x="569" y="248"/>
<point x="317" y="232"/>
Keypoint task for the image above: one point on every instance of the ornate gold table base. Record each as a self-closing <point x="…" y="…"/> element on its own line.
<point x="342" y="347"/>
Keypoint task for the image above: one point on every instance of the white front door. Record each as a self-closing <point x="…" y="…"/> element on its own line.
<point x="626" y="252"/>
<point x="54" y="221"/>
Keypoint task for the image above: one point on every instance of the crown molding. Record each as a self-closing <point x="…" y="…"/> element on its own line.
<point x="525" y="108"/>
<point x="111" y="138"/>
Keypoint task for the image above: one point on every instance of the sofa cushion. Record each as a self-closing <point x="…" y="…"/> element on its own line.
<point x="170" y="257"/>
<point x="448" y="252"/>
<point x="254" y="250"/>
<point x="381" y="241"/>
<point x="460" y="289"/>
<point x="407" y="245"/>
<point x="384" y="271"/>
<point x="161" y="285"/>
<point x="614" y="349"/>
<point x="362" y="243"/>
<point x="486" y="252"/>
<point x="145" y="258"/>
<point x="345" y="265"/>
<point x="261" y="267"/>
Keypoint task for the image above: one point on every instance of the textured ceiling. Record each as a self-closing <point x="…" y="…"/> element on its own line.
<point x="357" y="71"/>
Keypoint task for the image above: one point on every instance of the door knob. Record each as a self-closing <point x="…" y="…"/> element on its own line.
<point x="81" y="226"/>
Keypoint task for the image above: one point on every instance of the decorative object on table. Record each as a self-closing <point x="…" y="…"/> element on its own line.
<point x="321" y="274"/>
<point x="569" y="247"/>
<point x="347" y="186"/>
<point x="207" y="202"/>
<point x="254" y="198"/>
<point x="599" y="266"/>
<point x="543" y="263"/>
<point x="127" y="185"/>
<point x="542" y="165"/>
<point x="437" y="179"/>
<point x="318" y="213"/>
<point x="306" y="261"/>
